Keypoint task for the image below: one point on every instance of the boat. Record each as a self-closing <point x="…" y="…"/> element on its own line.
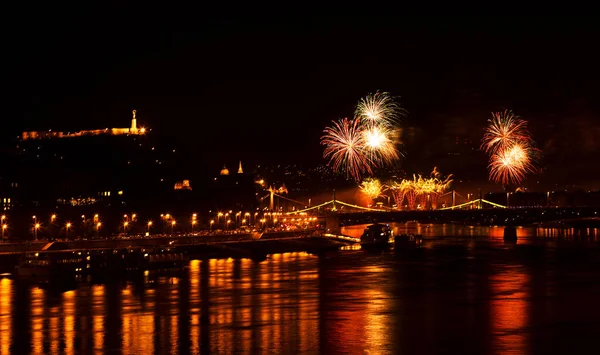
<point x="164" y="258"/>
<point x="49" y="264"/>
<point x="376" y="236"/>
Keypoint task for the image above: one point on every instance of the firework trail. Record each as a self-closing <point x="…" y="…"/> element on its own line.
<point x="346" y="149"/>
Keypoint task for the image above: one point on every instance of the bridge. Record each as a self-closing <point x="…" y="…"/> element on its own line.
<point x="336" y="213"/>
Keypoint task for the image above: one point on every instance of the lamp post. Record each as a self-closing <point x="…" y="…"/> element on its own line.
<point x="52" y="219"/>
<point x="149" y="225"/>
<point x="227" y="224"/>
<point x="212" y="221"/>
<point x="172" y="226"/>
<point x="125" y="224"/>
<point x="98" y="229"/>
<point x="4" y="226"/>
<point x="35" y="229"/>
<point x="67" y="226"/>
<point x="193" y="224"/>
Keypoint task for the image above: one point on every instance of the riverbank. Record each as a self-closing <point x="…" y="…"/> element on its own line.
<point x="256" y="249"/>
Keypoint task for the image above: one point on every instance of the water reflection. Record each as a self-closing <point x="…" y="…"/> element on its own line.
<point x="510" y="310"/>
<point x="526" y="235"/>
<point x="457" y="298"/>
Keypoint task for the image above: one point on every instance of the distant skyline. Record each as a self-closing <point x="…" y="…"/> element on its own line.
<point x="263" y="89"/>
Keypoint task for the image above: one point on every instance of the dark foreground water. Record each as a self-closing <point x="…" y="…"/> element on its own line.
<point x="457" y="295"/>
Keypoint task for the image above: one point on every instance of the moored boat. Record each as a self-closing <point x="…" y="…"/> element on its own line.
<point x="49" y="264"/>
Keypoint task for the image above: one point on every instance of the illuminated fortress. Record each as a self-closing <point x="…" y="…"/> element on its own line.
<point x="133" y="130"/>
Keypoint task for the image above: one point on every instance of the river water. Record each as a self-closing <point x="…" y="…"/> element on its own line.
<point x="468" y="293"/>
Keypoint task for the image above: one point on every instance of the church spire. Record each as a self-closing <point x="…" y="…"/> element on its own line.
<point x="240" y="170"/>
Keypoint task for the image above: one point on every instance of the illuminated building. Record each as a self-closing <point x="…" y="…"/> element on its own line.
<point x="133" y="130"/>
<point x="224" y="171"/>
<point x="183" y="185"/>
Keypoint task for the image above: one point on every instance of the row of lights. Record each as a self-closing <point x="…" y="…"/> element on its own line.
<point x="165" y="217"/>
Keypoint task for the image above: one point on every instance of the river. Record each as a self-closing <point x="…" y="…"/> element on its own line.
<point x="465" y="293"/>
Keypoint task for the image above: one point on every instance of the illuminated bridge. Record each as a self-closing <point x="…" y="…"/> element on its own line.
<point x="479" y="211"/>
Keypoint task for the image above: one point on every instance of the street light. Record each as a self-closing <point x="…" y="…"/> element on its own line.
<point x="98" y="228"/>
<point x="227" y="226"/>
<point x="125" y="224"/>
<point x="212" y="221"/>
<point x="193" y="224"/>
<point x="4" y="226"/>
<point x="68" y="225"/>
<point x="35" y="228"/>
<point x="52" y="218"/>
<point x="149" y="225"/>
<point x="172" y="226"/>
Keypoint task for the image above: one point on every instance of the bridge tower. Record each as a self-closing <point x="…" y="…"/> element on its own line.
<point x="453" y="198"/>
<point x="271" y="198"/>
<point x="333" y="208"/>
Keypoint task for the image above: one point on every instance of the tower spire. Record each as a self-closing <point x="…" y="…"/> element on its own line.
<point x="240" y="170"/>
<point x="133" y="123"/>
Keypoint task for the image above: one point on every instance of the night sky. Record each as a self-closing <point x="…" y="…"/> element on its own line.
<point x="262" y="88"/>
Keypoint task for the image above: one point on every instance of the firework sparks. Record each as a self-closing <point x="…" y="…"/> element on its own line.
<point x="356" y="147"/>
<point x="381" y="144"/>
<point x="503" y="131"/>
<point x="372" y="188"/>
<point x="346" y="148"/>
<point x="379" y="109"/>
<point x="510" y="165"/>
<point x="510" y="148"/>
<point x="425" y="190"/>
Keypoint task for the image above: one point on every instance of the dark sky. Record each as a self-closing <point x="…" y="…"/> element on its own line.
<point x="263" y="88"/>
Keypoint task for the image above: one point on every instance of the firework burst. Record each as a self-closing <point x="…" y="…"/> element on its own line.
<point x="356" y="147"/>
<point x="372" y="188"/>
<point x="503" y="131"/>
<point x="510" y="147"/>
<point x="380" y="109"/>
<point x="346" y="149"/>
<point x="510" y="165"/>
<point x="381" y="144"/>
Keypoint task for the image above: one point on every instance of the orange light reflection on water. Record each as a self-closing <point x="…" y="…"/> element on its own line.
<point x="510" y="310"/>
<point x="37" y="319"/>
<point x="98" y="317"/>
<point x="5" y="315"/>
